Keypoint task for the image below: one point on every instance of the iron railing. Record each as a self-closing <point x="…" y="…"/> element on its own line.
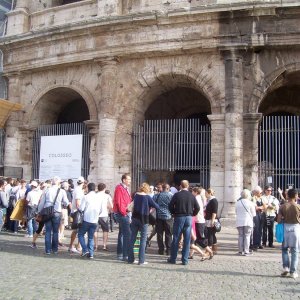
<point x="61" y="129"/>
<point x="279" y="151"/>
<point x="170" y="146"/>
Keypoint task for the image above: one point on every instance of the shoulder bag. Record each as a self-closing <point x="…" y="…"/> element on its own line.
<point x="47" y="213"/>
<point x="77" y="217"/>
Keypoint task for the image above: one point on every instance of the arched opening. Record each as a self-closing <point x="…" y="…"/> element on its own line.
<point x="174" y="141"/>
<point x="279" y="161"/>
<point x="59" y="116"/>
<point x="60" y="106"/>
<point x="179" y="103"/>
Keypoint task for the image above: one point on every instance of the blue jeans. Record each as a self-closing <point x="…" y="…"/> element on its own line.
<point x="1" y="218"/>
<point x="136" y="225"/>
<point x="31" y="226"/>
<point x="89" y="228"/>
<point x="51" y="236"/>
<point x="286" y="260"/>
<point x="182" y="225"/>
<point x="123" y="236"/>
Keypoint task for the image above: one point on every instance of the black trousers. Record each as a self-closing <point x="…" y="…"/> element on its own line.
<point x="201" y="235"/>
<point x="211" y="236"/>
<point x="268" y="233"/>
<point x="164" y="226"/>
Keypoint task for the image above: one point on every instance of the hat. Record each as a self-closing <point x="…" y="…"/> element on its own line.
<point x="34" y="183"/>
<point x="56" y="179"/>
<point x="80" y="179"/>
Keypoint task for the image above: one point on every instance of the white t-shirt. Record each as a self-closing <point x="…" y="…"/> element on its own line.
<point x="78" y="194"/>
<point x="105" y="201"/>
<point x="271" y="200"/>
<point x="91" y="206"/>
<point x="33" y="197"/>
<point x="200" y="215"/>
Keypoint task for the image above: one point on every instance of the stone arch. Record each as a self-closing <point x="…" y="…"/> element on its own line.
<point x="155" y="82"/>
<point x="271" y="82"/>
<point x="73" y="86"/>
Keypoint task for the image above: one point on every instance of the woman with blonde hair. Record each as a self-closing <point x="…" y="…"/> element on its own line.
<point x="142" y="202"/>
<point x="201" y="237"/>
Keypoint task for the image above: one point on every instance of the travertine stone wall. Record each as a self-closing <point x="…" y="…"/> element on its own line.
<point x="233" y="128"/>
<point x="120" y="65"/>
<point x="217" y="167"/>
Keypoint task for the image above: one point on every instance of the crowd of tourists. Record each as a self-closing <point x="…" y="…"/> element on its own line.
<point x="181" y="217"/>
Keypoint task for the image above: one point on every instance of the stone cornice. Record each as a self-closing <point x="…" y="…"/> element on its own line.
<point x="165" y="36"/>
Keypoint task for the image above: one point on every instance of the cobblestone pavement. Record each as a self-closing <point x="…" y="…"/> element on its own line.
<point x="29" y="274"/>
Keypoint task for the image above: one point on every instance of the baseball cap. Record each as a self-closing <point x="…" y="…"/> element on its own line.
<point x="34" y="183"/>
<point x="80" y="179"/>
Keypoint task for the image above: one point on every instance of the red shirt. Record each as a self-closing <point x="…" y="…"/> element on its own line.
<point x="121" y="199"/>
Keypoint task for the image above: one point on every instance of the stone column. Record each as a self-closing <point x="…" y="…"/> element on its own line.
<point x="251" y="125"/>
<point x="106" y="152"/>
<point x="217" y="123"/>
<point x="18" y="19"/>
<point x="233" y="129"/>
<point x="108" y="122"/>
<point x="93" y="127"/>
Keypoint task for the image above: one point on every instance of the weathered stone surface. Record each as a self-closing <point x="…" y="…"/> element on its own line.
<point x="229" y="59"/>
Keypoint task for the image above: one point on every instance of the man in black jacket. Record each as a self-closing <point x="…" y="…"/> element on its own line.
<point x="183" y="206"/>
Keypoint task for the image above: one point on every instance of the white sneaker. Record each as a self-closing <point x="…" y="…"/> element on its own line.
<point x="294" y="275"/>
<point x="74" y="250"/>
<point x="144" y="263"/>
<point x="28" y="236"/>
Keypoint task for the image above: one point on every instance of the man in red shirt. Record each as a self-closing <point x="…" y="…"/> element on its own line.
<point x="121" y="200"/>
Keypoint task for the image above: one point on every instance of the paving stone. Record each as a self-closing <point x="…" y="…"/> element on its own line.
<point x="29" y="274"/>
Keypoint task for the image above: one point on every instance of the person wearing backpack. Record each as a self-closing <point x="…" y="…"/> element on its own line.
<point x="3" y="202"/>
<point x="289" y="214"/>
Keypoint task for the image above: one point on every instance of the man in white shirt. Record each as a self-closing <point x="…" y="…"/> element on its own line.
<point x="33" y="198"/>
<point x="56" y="197"/>
<point x="91" y="207"/>
<point x="78" y="194"/>
<point x="272" y="206"/>
<point x="106" y="208"/>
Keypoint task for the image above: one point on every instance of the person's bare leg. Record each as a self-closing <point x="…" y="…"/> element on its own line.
<point x="73" y="237"/>
<point x="105" y="239"/>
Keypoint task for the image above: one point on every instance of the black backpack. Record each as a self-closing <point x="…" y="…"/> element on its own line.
<point x="12" y="201"/>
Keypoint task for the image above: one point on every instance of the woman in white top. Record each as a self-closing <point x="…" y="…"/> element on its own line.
<point x="201" y="239"/>
<point x="245" y="211"/>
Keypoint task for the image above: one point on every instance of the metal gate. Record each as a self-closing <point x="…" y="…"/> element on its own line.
<point x="171" y="145"/>
<point x="61" y="129"/>
<point x="279" y="151"/>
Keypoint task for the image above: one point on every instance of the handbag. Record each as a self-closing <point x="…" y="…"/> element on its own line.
<point x="217" y="225"/>
<point x="77" y="217"/>
<point x="30" y="212"/>
<point x="279" y="232"/>
<point x="47" y="213"/>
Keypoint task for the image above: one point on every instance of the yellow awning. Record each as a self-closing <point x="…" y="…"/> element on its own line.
<point x="6" y="108"/>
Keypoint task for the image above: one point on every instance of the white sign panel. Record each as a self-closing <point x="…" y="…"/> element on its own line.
<point x="60" y="156"/>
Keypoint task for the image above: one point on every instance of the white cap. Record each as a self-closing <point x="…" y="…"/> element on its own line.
<point x="56" y="180"/>
<point x="80" y="179"/>
<point x="34" y="183"/>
